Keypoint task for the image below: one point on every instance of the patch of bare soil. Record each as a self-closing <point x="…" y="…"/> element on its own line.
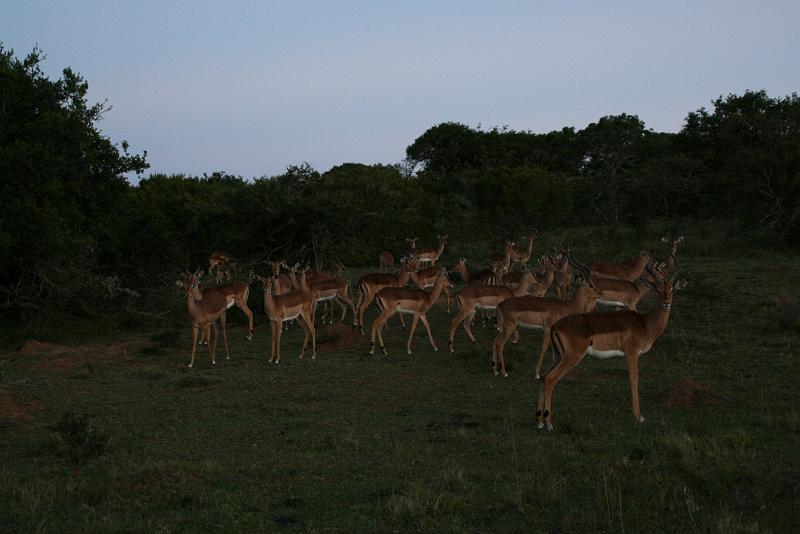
<point x="37" y="347"/>
<point x="771" y="268"/>
<point x="689" y="394"/>
<point x="63" y="358"/>
<point x="783" y="300"/>
<point x="11" y="408"/>
<point x="339" y="337"/>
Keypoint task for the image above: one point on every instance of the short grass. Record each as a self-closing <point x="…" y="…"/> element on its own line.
<point x="431" y="442"/>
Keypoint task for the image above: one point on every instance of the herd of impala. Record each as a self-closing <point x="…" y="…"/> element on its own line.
<point x="571" y="325"/>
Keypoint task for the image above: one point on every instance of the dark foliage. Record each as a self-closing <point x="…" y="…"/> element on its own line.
<point x="76" y="238"/>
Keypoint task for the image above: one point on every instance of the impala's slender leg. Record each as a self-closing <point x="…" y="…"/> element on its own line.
<point x="364" y="305"/>
<point x="428" y="328"/>
<point x="195" y="329"/>
<point x="516" y="336"/>
<point x="463" y="314"/>
<point x="377" y="329"/>
<point x="313" y="331"/>
<point x="272" y="339"/>
<point x="468" y="326"/>
<point x="633" y="374"/>
<point x="212" y="345"/>
<point x="302" y="322"/>
<point x="241" y="303"/>
<point x="500" y="342"/>
<point x="545" y="346"/>
<point x="223" y="323"/>
<point x="414" y="322"/>
<point x="570" y="357"/>
<point x="278" y="345"/>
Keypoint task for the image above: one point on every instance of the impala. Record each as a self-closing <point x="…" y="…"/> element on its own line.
<point x="327" y="291"/>
<point x="541" y="313"/>
<point x="425" y="278"/>
<point x="411" y="301"/>
<point x="672" y="248"/>
<point x="370" y="284"/>
<point x="220" y="265"/>
<point x="521" y="254"/>
<point x="427" y="254"/>
<point x="563" y="279"/>
<point x="296" y="304"/>
<point x="385" y="261"/>
<point x="483" y="277"/>
<point x="283" y="282"/>
<point x="483" y="297"/>
<point x="205" y="309"/>
<point x="625" y="293"/>
<point x="629" y="269"/>
<point x="606" y="334"/>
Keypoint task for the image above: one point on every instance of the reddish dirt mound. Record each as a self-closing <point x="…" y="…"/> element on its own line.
<point x="689" y="394"/>
<point x="37" y="347"/>
<point x="783" y="300"/>
<point x="12" y="408"/>
<point x="339" y="337"/>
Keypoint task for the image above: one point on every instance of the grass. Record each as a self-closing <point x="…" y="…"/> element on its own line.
<point x="431" y="441"/>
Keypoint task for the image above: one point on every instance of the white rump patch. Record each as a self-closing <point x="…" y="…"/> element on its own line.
<point x="611" y="303"/>
<point x="405" y="310"/>
<point x="231" y="302"/>
<point x="604" y="354"/>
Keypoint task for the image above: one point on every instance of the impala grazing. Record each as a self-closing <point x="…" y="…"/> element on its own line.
<point x="606" y="334"/>
<point x="205" y="309"/>
<point x="540" y="313"/>
<point x="296" y="304"/>
<point x="392" y="300"/>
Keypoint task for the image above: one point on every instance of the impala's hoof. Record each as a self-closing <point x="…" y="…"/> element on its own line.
<point x="540" y="425"/>
<point x="213" y="363"/>
<point x="313" y="356"/>
<point x="538" y="377"/>
<point x="227" y="357"/>
<point x="641" y="419"/>
<point x="250" y="337"/>
<point x="190" y="366"/>
<point x="505" y="375"/>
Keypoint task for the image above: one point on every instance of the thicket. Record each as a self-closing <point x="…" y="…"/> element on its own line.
<point x="76" y="238"/>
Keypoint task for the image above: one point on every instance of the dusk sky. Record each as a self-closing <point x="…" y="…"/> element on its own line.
<point x="251" y="87"/>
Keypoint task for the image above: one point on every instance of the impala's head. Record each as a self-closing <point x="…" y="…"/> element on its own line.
<point x="442" y="238"/>
<point x="443" y="275"/>
<point x="583" y="277"/>
<point x="672" y="243"/>
<point x="189" y="281"/>
<point x="412" y="242"/>
<point x="665" y="285"/>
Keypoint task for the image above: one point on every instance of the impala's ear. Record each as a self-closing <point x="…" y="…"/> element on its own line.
<point x="664" y="239"/>
<point x="178" y="283"/>
<point x="679" y="239"/>
<point x="680" y="284"/>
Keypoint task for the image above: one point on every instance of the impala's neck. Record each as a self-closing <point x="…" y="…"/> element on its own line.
<point x="269" y="301"/>
<point x="440" y="249"/>
<point x="403" y="277"/>
<point x="530" y="246"/>
<point x="523" y="286"/>
<point x="463" y="272"/>
<point x="437" y="290"/>
<point x="639" y="264"/>
<point x="193" y="301"/>
<point x="583" y="300"/>
<point x="657" y="319"/>
<point x="670" y="261"/>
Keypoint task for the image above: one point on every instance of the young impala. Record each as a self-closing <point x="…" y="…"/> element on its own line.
<point x="606" y="334"/>
<point x="411" y="301"/>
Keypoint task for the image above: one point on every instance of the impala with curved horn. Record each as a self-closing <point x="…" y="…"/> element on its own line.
<point x="604" y="335"/>
<point x="541" y="313"/>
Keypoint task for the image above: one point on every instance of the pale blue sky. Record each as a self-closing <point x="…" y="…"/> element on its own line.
<point x="250" y="87"/>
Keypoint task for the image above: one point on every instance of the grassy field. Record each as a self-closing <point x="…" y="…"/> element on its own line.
<point x="431" y="441"/>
